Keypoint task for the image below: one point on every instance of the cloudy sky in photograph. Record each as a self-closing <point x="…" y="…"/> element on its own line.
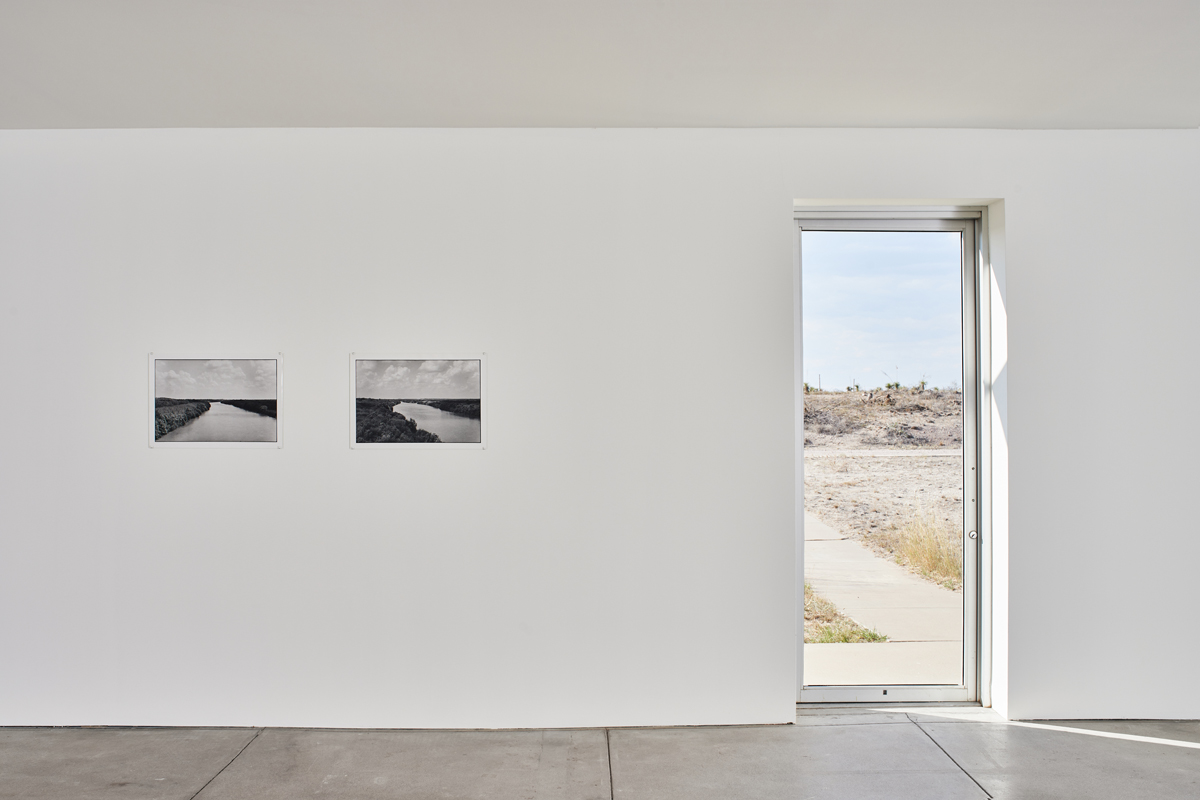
<point x="417" y="380"/>
<point x="881" y="307"/>
<point x="197" y="379"/>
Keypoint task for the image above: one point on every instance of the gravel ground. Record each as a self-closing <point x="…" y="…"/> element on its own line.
<point x="862" y="496"/>
<point x="899" y="419"/>
<point x="860" y="493"/>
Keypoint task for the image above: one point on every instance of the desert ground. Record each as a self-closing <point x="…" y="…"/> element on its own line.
<point x="888" y="419"/>
<point x="859" y="480"/>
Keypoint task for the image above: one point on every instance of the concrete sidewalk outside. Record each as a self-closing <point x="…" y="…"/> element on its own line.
<point x="923" y="622"/>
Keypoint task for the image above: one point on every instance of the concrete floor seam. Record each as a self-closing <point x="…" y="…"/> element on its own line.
<point x="612" y="789"/>
<point x="952" y="759"/>
<point x="257" y="733"/>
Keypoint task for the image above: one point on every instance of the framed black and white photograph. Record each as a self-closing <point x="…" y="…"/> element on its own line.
<point x="216" y="402"/>
<point x="418" y="402"/>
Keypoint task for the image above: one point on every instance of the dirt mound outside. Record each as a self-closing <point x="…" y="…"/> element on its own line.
<point x="890" y="419"/>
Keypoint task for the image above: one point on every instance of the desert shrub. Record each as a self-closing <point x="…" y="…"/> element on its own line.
<point x="928" y="545"/>
<point x="834" y="413"/>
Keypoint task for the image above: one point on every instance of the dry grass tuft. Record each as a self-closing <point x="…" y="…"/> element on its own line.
<point x="839" y="464"/>
<point x="930" y="546"/>
<point x="824" y="624"/>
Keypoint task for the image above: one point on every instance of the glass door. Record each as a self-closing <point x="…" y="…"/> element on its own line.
<point x="890" y="460"/>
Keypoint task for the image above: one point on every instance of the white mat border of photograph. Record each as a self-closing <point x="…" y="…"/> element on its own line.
<point x="275" y="445"/>
<point x="483" y="402"/>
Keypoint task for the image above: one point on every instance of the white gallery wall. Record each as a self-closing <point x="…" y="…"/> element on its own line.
<point x="622" y="553"/>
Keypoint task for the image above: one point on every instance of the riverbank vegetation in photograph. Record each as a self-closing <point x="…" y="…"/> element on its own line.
<point x="267" y="408"/>
<point x="170" y="414"/>
<point x="376" y="423"/>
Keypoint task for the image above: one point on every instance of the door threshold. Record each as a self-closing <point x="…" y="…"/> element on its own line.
<point x="889" y="707"/>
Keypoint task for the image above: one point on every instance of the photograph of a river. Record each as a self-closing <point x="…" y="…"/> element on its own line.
<point x="223" y="423"/>
<point x="448" y="427"/>
<point x="418" y="402"/>
<point x="215" y="401"/>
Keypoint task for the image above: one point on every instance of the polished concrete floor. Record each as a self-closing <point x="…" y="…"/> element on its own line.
<point x="925" y="753"/>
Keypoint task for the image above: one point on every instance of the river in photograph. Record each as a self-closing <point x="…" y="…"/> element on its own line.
<point x="448" y="427"/>
<point x="222" y="423"/>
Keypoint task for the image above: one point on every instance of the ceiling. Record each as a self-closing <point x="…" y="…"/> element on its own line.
<point x="600" y="63"/>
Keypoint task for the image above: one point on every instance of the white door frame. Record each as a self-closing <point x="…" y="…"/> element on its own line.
<point x="972" y="222"/>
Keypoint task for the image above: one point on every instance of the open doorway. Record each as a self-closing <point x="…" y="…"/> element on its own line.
<point x="889" y="458"/>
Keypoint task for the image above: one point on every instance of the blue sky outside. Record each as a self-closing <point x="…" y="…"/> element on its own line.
<point x="881" y="307"/>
